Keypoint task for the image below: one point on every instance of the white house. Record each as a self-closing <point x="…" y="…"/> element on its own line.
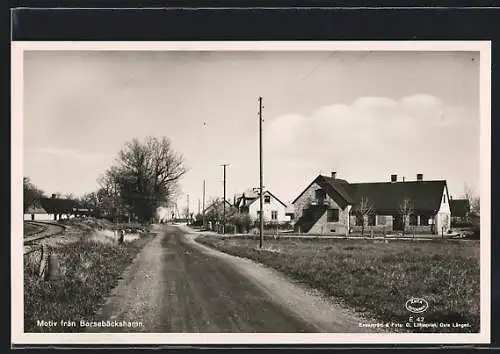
<point x="37" y="214"/>
<point x="274" y="210"/>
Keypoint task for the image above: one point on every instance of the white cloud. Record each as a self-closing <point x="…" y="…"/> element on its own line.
<point x="371" y="136"/>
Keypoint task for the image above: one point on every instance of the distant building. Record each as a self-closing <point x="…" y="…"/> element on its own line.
<point x="460" y="210"/>
<point x="53" y="209"/>
<point x="217" y="208"/>
<point x="330" y="205"/>
<point x="274" y="210"/>
<point x="37" y="213"/>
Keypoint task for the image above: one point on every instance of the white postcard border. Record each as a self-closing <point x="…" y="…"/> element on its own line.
<point x="18" y="336"/>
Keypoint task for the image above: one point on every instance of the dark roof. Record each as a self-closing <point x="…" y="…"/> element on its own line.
<point x="385" y="197"/>
<point x="424" y="196"/>
<point x="35" y="210"/>
<point x="335" y="187"/>
<point x="57" y="205"/>
<point x="216" y="203"/>
<point x="252" y="200"/>
<point x="459" y="207"/>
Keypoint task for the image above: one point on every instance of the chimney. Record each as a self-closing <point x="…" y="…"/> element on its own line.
<point x="334" y="174"/>
<point x="420" y="177"/>
<point x="394" y="178"/>
<point x="53" y="196"/>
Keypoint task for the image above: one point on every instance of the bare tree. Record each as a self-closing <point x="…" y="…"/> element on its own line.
<point x="476" y="205"/>
<point x="364" y="210"/>
<point x="146" y="175"/>
<point x="405" y="210"/>
<point x="469" y="195"/>
<point x="31" y="194"/>
<point x="69" y="196"/>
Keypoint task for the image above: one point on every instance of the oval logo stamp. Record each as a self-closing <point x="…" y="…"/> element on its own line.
<point x="417" y="305"/>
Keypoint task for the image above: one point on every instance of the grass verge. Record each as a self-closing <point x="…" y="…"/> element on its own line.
<point x="377" y="278"/>
<point x="30" y="229"/>
<point x="91" y="270"/>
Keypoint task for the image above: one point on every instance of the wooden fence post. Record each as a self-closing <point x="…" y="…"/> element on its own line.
<point x="44" y="259"/>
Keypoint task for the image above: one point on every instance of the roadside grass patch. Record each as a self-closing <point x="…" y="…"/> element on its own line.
<point x="30" y="229"/>
<point x="377" y="279"/>
<point x="91" y="270"/>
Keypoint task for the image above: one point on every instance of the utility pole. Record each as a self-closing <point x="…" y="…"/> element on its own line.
<point x="224" y="201"/>
<point x="203" y="203"/>
<point x="187" y="219"/>
<point x="261" y="175"/>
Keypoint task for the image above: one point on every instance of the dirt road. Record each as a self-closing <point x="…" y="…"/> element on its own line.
<point x="178" y="285"/>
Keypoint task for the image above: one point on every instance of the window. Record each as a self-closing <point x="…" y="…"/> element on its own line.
<point x="333" y="215"/>
<point x="413" y="220"/>
<point x="371" y="220"/>
<point x="381" y="220"/>
<point x="320" y="194"/>
<point x="359" y="220"/>
<point x="267" y="199"/>
<point x="444" y="198"/>
<point x="274" y="215"/>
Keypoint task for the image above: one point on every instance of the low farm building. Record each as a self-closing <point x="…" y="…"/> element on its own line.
<point x="55" y="209"/>
<point x="330" y="205"/>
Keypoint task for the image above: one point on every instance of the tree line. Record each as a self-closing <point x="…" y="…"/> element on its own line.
<point x="144" y="176"/>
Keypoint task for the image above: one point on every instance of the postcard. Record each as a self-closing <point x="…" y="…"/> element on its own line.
<point x="251" y="192"/>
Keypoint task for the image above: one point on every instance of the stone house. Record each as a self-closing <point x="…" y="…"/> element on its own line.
<point x="333" y="206"/>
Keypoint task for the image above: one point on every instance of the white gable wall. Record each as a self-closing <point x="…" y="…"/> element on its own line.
<point x="443" y="217"/>
<point x="274" y="205"/>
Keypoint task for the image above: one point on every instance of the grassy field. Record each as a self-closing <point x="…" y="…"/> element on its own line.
<point x="377" y="278"/>
<point x="30" y="229"/>
<point x="92" y="269"/>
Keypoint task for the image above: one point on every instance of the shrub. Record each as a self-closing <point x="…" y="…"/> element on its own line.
<point x="230" y="228"/>
<point x="242" y="222"/>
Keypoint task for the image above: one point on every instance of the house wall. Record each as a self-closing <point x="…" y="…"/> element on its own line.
<point x="388" y="226"/>
<point x="305" y="200"/>
<point x="322" y="226"/>
<point x="268" y="208"/>
<point x="378" y="228"/>
<point x="443" y="217"/>
<point x="39" y="217"/>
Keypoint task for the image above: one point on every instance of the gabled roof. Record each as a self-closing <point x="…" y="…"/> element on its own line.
<point x="250" y="193"/>
<point x="425" y="196"/>
<point x="335" y="187"/>
<point x="35" y="210"/>
<point x="214" y="203"/>
<point x="459" y="207"/>
<point x="58" y="205"/>
<point x="256" y="197"/>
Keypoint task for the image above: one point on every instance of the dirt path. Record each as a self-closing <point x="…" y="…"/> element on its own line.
<point x="178" y="285"/>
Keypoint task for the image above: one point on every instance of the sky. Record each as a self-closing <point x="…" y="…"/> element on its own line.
<point x="365" y="115"/>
